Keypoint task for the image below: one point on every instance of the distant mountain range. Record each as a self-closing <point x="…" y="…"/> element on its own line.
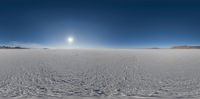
<point x="12" y="47"/>
<point x="174" y="47"/>
<point x="186" y="47"/>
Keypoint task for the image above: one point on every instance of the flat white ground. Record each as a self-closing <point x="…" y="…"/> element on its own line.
<point x="100" y="73"/>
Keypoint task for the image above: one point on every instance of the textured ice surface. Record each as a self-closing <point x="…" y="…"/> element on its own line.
<point x="89" y="73"/>
<point x="76" y="97"/>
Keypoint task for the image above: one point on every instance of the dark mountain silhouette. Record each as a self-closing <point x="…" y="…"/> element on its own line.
<point x="12" y="47"/>
<point x="186" y="47"/>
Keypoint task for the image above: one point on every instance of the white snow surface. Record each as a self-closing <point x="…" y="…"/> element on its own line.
<point x="99" y="73"/>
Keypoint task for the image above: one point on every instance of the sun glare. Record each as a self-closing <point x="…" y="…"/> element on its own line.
<point x="70" y="40"/>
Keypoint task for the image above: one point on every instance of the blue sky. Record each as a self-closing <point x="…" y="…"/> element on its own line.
<point x="101" y="23"/>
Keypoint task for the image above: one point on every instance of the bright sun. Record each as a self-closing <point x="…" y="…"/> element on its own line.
<point x="70" y="40"/>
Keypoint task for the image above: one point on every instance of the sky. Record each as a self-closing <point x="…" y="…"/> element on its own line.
<point x="100" y="23"/>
